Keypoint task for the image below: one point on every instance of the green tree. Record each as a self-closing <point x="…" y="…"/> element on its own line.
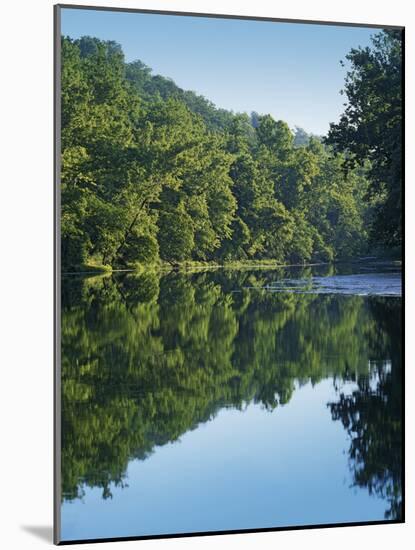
<point x="175" y="235"/>
<point x="137" y="150"/>
<point x="371" y="128"/>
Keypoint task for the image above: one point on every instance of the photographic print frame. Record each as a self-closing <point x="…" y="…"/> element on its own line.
<point x="58" y="288"/>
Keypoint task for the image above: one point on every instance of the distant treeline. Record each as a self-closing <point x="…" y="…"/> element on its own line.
<point x="153" y="173"/>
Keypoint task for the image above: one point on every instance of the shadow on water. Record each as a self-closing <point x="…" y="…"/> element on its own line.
<point x="146" y="358"/>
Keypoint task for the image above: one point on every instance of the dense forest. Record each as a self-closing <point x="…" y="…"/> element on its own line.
<point x="151" y="173"/>
<point x="149" y="356"/>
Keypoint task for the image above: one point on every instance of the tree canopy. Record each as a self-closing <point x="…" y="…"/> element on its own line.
<point x="152" y="173"/>
<point x="370" y="129"/>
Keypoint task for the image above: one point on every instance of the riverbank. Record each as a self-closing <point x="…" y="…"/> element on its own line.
<point x="97" y="268"/>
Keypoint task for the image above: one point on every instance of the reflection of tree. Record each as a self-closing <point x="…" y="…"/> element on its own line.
<point x="372" y="414"/>
<point x="147" y="357"/>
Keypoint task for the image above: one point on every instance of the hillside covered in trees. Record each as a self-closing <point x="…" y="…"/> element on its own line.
<point x="152" y="173"/>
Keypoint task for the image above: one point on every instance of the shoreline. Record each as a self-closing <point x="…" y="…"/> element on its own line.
<point x="194" y="266"/>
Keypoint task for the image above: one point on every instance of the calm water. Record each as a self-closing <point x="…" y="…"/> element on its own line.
<point x="229" y="400"/>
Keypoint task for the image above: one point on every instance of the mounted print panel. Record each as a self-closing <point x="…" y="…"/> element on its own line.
<point x="228" y="274"/>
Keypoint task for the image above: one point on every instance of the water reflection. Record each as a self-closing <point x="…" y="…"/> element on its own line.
<point x="148" y="357"/>
<point x="372" y="414"/>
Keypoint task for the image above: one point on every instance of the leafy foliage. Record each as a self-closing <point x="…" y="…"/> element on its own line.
<point x="153" y="173"/>
<point x="370" y="129"/>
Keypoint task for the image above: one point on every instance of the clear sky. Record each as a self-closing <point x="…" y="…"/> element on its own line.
<point x="289" y="70"/>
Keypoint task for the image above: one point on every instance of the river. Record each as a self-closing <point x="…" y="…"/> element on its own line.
<point x="230" y="399"/>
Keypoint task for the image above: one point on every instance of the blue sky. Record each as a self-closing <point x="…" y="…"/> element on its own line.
<point x="291" y="71"/>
